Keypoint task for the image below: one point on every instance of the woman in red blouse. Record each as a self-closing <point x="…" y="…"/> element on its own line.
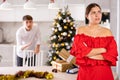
<point x="94" y="47"/>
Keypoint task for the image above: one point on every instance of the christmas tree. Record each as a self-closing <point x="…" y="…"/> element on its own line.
<point x="63" y="32"/>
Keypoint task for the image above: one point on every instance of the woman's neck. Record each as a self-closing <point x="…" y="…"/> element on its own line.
<point x="93" y="25"/>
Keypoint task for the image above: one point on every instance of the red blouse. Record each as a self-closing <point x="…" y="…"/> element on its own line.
<point x="83" y="44"/>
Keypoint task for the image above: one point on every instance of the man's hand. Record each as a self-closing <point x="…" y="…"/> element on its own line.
<point x="37" y="49"/>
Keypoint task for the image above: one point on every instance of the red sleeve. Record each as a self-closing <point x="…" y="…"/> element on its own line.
<point x="111" y="54"/>
<point x="79" y="48"/>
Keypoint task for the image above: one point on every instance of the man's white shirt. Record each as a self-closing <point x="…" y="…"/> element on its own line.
<point x="24" y="37"/>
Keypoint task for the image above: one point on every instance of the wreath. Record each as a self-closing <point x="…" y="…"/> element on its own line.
<point x="27" y="74"/>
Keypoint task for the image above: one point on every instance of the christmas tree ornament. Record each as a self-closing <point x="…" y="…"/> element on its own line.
<point x="64" y="21"/>
<point x="54" y="36"/>
<point x="64" y="34"/>
<point x="71" y="23"/>
<point x="54" y="24"/>
<point x="58" y="36"/>
<point x="53" y="29"/>
<point x="69" y="35"/>
<point x="57" y="52"/>
<point x="66" y="44"/>
<point x="68" y="47"/>
<point x="68" y="20"/>
<point x="71" y="27"/>
<point x="70" y="32"/>
<point x="58" y="25"/>
<point x="74" y="25"/>
<point x="59" y="17"/>
<point x="60" y="29"/>
<point x="54" y="57"/>
<point x="73" y="39"/>
<point x="61" y="34"/>
<point x="65" y="27"/>
<point x="56" y="45"/>
<point x="62" y="44"/>
<point x="68" y="13"/>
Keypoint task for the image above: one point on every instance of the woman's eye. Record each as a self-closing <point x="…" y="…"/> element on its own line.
<point x="93" y="12"/>
<point x="99" y="12"/>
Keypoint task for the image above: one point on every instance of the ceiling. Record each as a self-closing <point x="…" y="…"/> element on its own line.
<point x="21" y="2"/>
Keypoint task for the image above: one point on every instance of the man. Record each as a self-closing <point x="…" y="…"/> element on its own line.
<point x="28" y="38"/>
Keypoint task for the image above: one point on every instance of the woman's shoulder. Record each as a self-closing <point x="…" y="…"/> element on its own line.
<point x="106" y="31"/>
<point x="81" y="29"/>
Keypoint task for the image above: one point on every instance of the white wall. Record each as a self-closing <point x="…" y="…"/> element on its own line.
<point x="118" y="35"/>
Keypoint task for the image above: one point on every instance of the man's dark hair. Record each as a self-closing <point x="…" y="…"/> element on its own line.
<point x="27" y="17"/>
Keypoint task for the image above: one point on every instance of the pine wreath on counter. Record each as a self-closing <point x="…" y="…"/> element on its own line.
<point x="27" y="74"/>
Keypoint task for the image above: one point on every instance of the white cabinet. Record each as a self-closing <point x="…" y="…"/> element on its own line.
<point x="6" y="51"/>
<point x="42" y="13"/>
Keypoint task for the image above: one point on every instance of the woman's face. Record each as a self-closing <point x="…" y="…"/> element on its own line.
<point x="94" y="15"/>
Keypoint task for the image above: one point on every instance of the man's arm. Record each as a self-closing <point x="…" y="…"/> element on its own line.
<point x="19" y="41"/>
<point x="37" y="47"/>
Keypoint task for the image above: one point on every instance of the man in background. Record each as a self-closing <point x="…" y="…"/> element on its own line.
<point x="28" y="38"/>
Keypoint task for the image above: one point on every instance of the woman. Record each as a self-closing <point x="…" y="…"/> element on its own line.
<point x="94" y="48"/>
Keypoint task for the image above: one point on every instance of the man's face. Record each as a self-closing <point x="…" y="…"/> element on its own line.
<point x="28" y="24"/>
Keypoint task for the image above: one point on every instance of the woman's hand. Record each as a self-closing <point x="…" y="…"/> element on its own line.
<point x="97" y="57"/>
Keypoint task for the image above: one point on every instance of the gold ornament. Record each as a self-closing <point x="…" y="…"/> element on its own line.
<point x="54" y="24"/>
<point x="56" y="45"/>
<point x="71" y="27"/>
<point x="71" y="23"/>
<point x="49" y="76"/>
<point x="55" y="30"/>
<point x="53" y="44"/>
<point x="69" y="35"/>
<point x="68" y="13"/>
<point x="59" y="36"/>
<point x="62" y="44"/>
<point x="54" y="57"/>
<point x="65" y="27"/>
<point x="57" y="52"/>
<point x="58" y="15"/>
<point x="56" y="48"/>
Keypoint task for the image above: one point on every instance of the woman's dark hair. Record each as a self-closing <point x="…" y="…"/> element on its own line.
<point x="27" y="17"/>
<point x="88" y="9"/>
<point x="90" y="6"/>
